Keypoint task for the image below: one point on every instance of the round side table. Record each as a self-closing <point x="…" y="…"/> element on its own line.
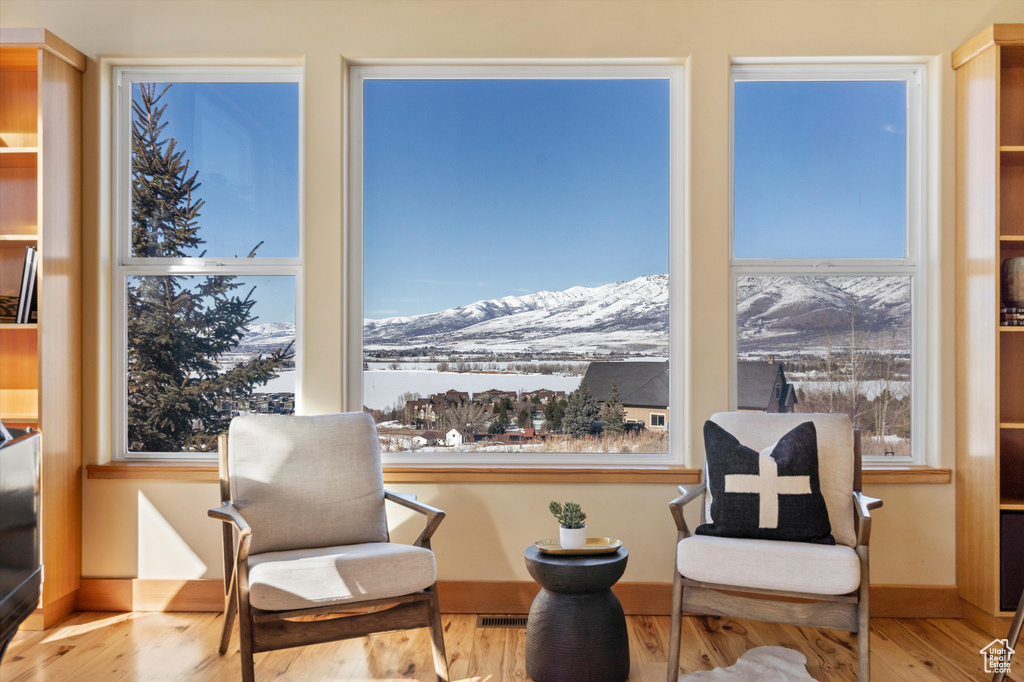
<point x="576" y="631"/>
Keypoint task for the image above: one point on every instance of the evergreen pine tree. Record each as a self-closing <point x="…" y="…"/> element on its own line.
<point x="178" y="325"/>
<point x="523" y="418"/>
<point x="554" y="411"/>
<point x="613" y="414"/>
<point x="580" y="413"/>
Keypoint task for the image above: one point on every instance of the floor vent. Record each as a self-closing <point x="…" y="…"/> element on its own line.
<point x="501" y="621"/>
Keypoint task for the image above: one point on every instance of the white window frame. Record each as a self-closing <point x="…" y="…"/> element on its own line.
<point x="679" y="241"/>
<point x="126" y="265"/>
<point x="913" y="265"/>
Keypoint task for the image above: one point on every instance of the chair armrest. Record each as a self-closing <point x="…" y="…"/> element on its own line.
<point x="862" y="506"/>
<point x="676" y="506"/>
<point x="228" y="513"/>
<point x="434" y="515"/>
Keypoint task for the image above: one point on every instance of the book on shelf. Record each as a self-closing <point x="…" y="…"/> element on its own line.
<point x="1012" y="323"/>
<point x="8" y="308"/>
<point x="27" y="293"/>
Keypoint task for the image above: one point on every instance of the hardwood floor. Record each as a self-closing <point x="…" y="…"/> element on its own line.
<point x="109" y="647"/>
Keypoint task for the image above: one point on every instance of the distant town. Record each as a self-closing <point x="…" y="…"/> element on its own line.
<point x="627" y="403"/>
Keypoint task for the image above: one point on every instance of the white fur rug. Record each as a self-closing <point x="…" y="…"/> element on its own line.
<point x="762" y="664"/>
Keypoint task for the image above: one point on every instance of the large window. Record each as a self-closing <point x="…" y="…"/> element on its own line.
<point x="208" y="253"/>
<point x="827" y="252"/>
<point x="517" y="229"/>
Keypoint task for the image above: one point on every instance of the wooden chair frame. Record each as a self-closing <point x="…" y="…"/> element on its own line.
<point x="839" y="612"/>
<point x="261" y="631"/>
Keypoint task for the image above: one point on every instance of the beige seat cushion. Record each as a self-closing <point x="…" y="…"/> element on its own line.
<point x="759" y="430"/>
<point x="770" y="564"/>
<point x="307" y="481"/>
<point x="307" y="578"/>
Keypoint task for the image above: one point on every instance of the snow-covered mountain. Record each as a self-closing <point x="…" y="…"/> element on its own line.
<point x="623" y="316"/>
<point x="779" y="314"/>
<point x="268" y="337"/>
<point x="775" y="314"/>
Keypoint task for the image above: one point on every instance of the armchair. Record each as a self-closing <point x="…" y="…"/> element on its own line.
<point x="710" y="571"/>
<point x="305" y="534"/>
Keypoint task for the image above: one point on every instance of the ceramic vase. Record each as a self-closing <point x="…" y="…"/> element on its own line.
<point x="1013" y="283"/>
<point x="572" y="538"/>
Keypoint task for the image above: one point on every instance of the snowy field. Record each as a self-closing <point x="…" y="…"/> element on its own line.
<point x="383" y="366"/>
<point x="283" y="383"/>
<point x="382" y="389"/>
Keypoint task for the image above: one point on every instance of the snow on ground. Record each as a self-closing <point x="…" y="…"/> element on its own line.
<point x="378" y="366"/>
<point x="382" y="389"/>
<point x="283" y="383"/>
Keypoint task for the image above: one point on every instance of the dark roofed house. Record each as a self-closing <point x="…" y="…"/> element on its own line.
<point x="762" y="387"/>
<point x="642" y="386"/>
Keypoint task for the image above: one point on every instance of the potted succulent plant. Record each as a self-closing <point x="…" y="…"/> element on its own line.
<point x="572" y="531"/>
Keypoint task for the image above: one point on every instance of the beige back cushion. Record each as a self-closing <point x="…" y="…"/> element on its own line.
<point x="758" y="430"/>
<point x="304" y="482"/>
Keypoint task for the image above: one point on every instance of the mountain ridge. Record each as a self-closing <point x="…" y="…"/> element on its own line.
<point x="774" y="314"/>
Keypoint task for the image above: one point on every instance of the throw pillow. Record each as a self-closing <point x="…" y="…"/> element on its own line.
<point x="769" y="495"/>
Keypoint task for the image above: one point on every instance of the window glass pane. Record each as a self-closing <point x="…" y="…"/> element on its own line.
<point x="234" y="151"/>
<point x="202" y="350"/>
<point x="516" y="240"/>
<point x="820" y="169"/>
<point x="829" y="344"/>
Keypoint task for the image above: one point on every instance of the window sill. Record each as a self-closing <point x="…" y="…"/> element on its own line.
<point x="905" y="474"/>
<point x="196" y="472"/>
<point x="202" y="472"/>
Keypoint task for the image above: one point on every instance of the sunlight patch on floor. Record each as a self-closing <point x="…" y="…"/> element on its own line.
<point x="59" y="634"/>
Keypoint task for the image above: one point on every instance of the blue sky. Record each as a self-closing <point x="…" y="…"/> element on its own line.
<point x="820" y="169"/>
<point x="480" y="189"/>
<point x="243" y="140"/>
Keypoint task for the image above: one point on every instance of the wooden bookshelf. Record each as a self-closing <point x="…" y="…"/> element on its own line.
<point x="40" y="363"/>
<point x="990" y="357"/>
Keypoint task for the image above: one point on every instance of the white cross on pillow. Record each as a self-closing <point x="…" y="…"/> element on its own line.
<point x="768" y="485"/>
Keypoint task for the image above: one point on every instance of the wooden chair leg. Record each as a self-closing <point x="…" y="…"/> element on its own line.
<point x="864" y="619"/>
<point x="677" y="626"/>
<point x="437" y="637"/>
<point x="245" y="643"/>
<point x="230" y="609"/>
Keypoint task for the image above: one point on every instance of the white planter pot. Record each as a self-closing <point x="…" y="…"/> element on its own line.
<point x="572" y="538"/>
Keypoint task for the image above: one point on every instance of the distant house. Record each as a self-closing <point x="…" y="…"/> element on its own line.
<point x="543" y="396"/>
<point x="492" y="397"/>
<point x="427" y="438"/>
<point x="454" y="438"/>
<point x="642" y="387"/>
<point x="762" y="387"/>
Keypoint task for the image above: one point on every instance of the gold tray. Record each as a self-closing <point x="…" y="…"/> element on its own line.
<point x="594" y="546"/>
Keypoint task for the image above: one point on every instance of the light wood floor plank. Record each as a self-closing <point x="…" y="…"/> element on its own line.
<point x="153" y="647"/>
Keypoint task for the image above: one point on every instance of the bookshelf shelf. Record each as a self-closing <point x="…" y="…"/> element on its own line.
<point x="990" y="394"/>
<point x="18" y="157"/>
<point x="13" y="241"/>
<point x="40" y="364"/>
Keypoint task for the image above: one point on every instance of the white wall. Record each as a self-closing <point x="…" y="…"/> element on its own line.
<point x="489" y="524"/>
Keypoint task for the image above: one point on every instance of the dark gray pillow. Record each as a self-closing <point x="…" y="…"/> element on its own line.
<point x="766" y="496"/>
